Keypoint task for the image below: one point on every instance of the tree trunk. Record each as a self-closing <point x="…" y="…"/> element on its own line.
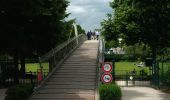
<point x="16" y="75"/>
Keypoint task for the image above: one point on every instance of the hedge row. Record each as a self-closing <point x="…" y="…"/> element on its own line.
<point x="19" y="92"/>
<point x="110" y="92"/>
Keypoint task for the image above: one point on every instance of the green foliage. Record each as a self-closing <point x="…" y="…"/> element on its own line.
<point x="19" y="92"/>
<point x="137" y="21"/>
<point x="110" y="92"/>
<point x="166" y="78"/>
<point x="111" y="43"/>
<point x="137" y="52"/>
<point x="30" y="28"/>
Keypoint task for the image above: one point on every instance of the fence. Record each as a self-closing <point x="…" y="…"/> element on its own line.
<point x="7" y="74"/>
<point x="132" y="78"/>
<point x="164" y="72"/>
<point x="100" y="60"/>
<point x="52" y="60"/>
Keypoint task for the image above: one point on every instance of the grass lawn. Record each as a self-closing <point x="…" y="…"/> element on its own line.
<point x="123" y="67"/>
<point x="33" y="67"/>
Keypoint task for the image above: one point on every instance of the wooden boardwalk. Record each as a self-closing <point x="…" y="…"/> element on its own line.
<point x="76" y="79"/>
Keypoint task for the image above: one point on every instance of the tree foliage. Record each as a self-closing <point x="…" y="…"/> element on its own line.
<point x="146" y="21"/>
<point x="30" y="27"/>
<point x="31" y="23"/>
<point x="141" y="21"/>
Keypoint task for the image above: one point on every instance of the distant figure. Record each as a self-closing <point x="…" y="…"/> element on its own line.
<point x="89" y="35"/>
<point x="93" y="35"/>
<point x="97" y="34"/>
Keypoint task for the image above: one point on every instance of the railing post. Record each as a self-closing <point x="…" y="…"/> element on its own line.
<point x="31" y="77"/>
<point x="127" y="79"/>
<point x="54" y="57"/>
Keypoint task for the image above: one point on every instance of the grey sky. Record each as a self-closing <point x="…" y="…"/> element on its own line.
<point x="89" y="13"/>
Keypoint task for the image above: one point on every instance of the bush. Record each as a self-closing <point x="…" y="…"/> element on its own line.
<point x="110" y="92"/>
<point x="19" y="92"/>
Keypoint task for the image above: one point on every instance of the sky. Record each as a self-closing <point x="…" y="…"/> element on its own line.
<point x="89" y="13"/>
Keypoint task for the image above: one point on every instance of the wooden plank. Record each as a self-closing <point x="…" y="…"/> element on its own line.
<point x="69" y="83"/>
<point x="64" y="91"/>
<point x="93" y="70"/>
<point x="72" y="73"/>
<point x="64" y="96"/>
<point x="75" y="75"/>
<point x="72" y="86"/>
<point x="78" y="68"/>
<point x="72" y="79"/>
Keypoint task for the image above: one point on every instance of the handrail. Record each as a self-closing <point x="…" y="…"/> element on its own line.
<point x="101" y="50"/>
<point x="58" y="48"/>
<point x="100" y="60"/>
<point x="55" y="57"/>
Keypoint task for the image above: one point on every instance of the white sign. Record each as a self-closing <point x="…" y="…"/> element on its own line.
<point x="107" y="67"/>
<point x="107" y="78"/>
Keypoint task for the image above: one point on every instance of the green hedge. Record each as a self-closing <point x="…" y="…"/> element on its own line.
<point x="19" y="92"/>
<point x="110" y="92"/>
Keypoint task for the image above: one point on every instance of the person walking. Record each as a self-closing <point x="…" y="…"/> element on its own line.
<point x="89" y="35"/>
<point x="93" y="35"/>
<point x="97" y="34"/>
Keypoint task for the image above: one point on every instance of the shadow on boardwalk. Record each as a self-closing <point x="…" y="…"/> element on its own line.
<point x="143" y="93"/>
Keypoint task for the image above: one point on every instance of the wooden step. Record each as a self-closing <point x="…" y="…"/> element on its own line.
<point x="64" y="91"/>
<point x="73" y="79"/>
<point x="63" y="96"/>
<point x="72" y="73"/>
<point x="76" y="71"/>
<point x="78" y="68"/>
<point x="76" y="77"/>
<point x="69" y="83"/>
<point x="91" y="87"/>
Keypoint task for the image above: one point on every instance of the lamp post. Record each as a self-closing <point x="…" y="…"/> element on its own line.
<point x="120" y="43"/>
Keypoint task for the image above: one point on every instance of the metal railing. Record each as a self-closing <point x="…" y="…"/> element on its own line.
<point x="100" y="60"/>
<point x="54" y="58"/>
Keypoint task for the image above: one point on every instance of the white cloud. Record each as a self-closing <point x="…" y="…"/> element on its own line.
<point x="76" y="9"/>
<point x="89" y="13"/>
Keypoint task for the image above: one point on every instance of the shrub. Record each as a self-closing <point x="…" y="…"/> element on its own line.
<point x="110" y="92"/>
<point x="19" y="92"/>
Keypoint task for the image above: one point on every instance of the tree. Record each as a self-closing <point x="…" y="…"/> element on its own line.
<point x="29" y="26"/>
<point x="143" y="21"/>
<point x="109" y="32"/>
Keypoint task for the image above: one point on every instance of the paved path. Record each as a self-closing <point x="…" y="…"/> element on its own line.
<point x="2" y="94"/>
<point x="76" y="79"/>
<point x="143" y="93"/>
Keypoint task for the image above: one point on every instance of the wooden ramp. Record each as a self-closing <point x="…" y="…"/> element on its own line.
<point x="76" y="79"/>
